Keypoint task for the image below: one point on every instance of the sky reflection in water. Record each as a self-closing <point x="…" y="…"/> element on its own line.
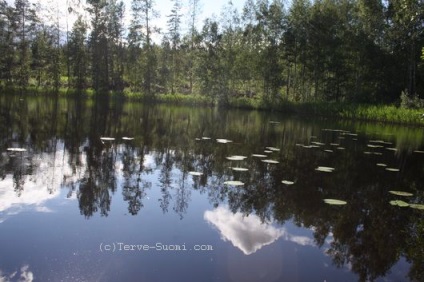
<point x="72" y="193"/>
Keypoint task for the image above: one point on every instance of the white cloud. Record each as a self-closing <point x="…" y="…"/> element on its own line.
<point x="43" y="185"/>
<point x="25" y="275"/>
<point x="32" y="194"/>
<point x="249" y="234"/>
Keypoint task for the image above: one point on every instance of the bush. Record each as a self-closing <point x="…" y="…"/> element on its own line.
<point x="408" y="102"/>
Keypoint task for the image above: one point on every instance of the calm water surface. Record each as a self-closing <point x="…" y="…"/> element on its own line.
<point x="155" y="204"/>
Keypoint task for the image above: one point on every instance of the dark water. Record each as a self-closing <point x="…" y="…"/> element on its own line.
<point x="74" y="207"/>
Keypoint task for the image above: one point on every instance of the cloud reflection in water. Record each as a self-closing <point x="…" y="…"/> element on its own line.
<point x="249" y="234"/>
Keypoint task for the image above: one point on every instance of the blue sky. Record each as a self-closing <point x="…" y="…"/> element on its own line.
<point x="208" y="8"/>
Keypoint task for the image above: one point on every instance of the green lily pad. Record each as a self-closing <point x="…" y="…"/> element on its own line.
<point x="401" y="193"/>
<point x="270" y="161"/>
<point x="195" y="173"/>
<point x="308" y="146"/>
<point x="392" y="169"/>
<point x="259" y="156"/>
<point x="399" y="203"/>
<point x="287" y="182"/>
<point x="233" y="183"/>
<point x="325" y="169"/>
<point x="223" y="141"/>
<point x="236" y="158"/>
<point x="16" y="149"/>
<point x="374" y="146"/>
<point x="417" y="206"/>
<point x="240" y="169"/>
<point x="335" y="202"/>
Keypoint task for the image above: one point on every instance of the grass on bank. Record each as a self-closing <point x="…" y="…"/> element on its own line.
<point x="363" y="112"/>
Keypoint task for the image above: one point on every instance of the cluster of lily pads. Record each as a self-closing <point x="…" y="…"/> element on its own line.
<point x="403" y="204"/>
<point x="264" y="158"/>
<point x="372" y="144"/>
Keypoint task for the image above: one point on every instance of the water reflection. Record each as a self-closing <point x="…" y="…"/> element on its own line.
<point x="248" y="234"/>
<point x="69" y="154"/>
<point x="35" y="178"/>
<point x="23" y="275"/>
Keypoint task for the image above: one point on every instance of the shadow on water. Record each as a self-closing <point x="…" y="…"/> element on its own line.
<point x="102" y="141"/>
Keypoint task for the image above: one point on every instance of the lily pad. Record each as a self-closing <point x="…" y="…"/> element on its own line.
<point x="417" y="206"/>
<point x="308" y="146"/>
<point x="392" y="169"/>
<point x="381" y="164"/>
<point x="234" y="183"/>
<point x="325" y="169"/>
<point x="273" y="149"/>
<point x="236" y="158"/>
<point x="268" y="151"/>
<point x="399" y="203"/>
<point x="374" y="146"/>
<point x="127" y="138"/>
<point x="270" y="161"/>
<point x="419" y="152"/>
<point x="401" y="193"/>
<point x="335" y="202"/>
<point x="259" y="156"/>
<point x="240" y="169"/>
<point x="206" y="138"/>
<point x="16" y="149"/>
<point x="223" y="141"/>
<point x="287" y="182"/>
<point x="195" y="173"/>
<point x="107" y="138"/>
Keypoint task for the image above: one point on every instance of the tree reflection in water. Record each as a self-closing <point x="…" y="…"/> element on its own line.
<point x="367" y="233"/>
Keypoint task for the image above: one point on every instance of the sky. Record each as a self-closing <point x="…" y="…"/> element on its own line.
<point x="207" y="8"/>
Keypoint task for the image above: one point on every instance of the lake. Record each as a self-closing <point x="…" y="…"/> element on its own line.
<point x="131" y="192"/>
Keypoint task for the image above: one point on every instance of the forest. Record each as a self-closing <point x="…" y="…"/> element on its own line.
<point x="354" y="51"/>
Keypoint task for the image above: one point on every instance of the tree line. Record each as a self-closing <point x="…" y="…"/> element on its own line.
<point x="310" y="50"/>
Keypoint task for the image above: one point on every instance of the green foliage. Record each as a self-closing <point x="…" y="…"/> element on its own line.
<point x="310" y="51"/>
<point x="408" y="102"/>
